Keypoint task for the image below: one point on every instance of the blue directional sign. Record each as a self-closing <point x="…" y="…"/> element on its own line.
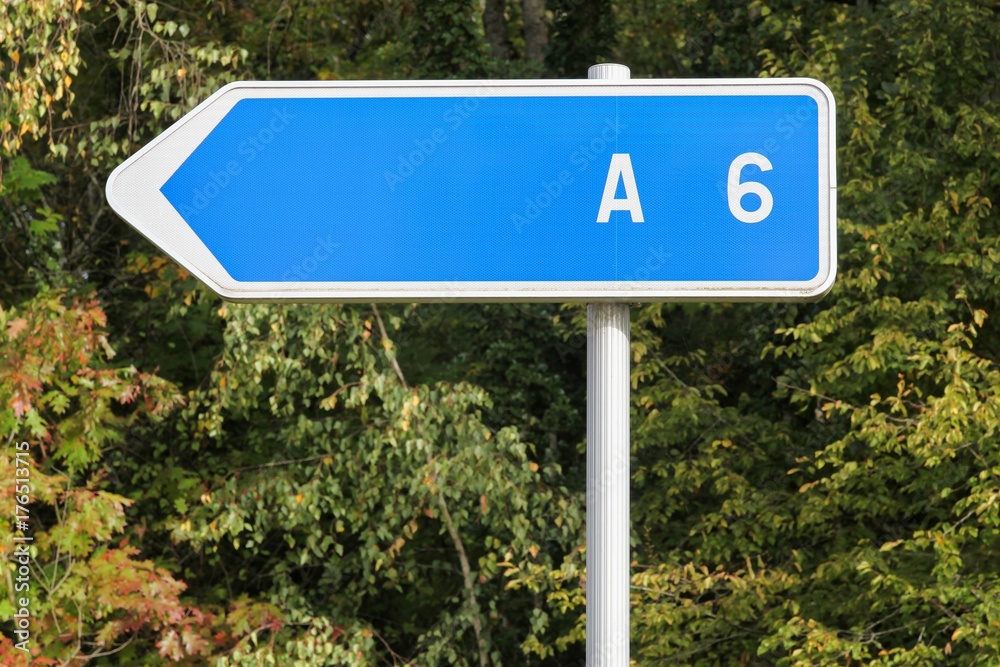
<point x="638" y="190"/>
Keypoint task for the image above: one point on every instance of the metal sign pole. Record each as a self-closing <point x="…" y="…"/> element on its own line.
<point x="608" y="522"/>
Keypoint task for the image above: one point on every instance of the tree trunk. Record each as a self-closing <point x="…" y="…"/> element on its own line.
<point x="535" y="33"/>
<point x="495" y="26"/>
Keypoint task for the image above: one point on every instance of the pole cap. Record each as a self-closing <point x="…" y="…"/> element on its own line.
<point x="609" y="71"/>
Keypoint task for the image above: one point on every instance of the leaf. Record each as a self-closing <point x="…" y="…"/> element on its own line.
<point x="15" y="327"/>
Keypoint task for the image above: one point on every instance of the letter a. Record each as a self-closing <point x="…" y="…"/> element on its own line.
<point x="621" y="166"/>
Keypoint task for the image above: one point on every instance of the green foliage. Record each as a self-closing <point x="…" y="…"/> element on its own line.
<point x="448" y="39"/>
<point x="694" y="38"/>
<point x="813" y="484"/>
<point x="89" y="594"/>
<point x="21" y="180"/>
<point x="356" y="496"/>
<point x="42" y="57"/>
<point x="862" y="530"/>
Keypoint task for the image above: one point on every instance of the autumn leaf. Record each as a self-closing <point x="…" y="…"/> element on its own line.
<point x="15" y="327"/>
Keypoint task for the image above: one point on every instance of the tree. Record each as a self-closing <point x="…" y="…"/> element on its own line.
<point x="88" y="594"/>
<point x="853" y="525"/>
<point x="813" y="484"/>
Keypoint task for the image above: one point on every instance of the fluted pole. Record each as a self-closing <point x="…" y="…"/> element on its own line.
<point x="608" y="521"/>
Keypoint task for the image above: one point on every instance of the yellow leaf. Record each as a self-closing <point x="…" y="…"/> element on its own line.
<point x="298" y="498"/>
<point x="15" y="56"/>
<point x="396" y="547"/>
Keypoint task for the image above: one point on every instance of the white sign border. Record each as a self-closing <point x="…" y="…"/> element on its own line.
<point x="133" y="190"/>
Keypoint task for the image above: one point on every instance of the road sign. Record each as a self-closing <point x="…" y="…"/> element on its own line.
<point x="575" y="190"/>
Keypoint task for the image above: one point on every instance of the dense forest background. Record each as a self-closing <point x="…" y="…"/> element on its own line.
<point x="236" y="485"/>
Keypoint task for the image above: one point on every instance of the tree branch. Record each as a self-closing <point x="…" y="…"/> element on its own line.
<point x="470" y="589"/>
<point x="456" y="538"/>
<point x="385" y="336"/>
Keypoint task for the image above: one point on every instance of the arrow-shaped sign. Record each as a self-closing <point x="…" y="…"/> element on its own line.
<point x="638" y="190"/>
